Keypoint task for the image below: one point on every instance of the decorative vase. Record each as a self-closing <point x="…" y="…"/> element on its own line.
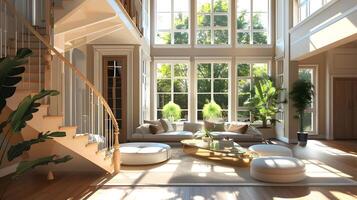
<point x="302" y="138"/>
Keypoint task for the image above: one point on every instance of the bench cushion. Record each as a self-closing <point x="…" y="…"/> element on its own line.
<point x="144" y="153"/>
<point x="271" y="150"/>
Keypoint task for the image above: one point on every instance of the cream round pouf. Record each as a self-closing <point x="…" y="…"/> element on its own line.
<point x="277" y="169"/>
<point x="271" y="150"/>
<point x="144" y="153"/>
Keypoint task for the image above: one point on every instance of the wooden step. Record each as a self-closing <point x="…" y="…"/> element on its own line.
<point x="70" y="130"/>
<point x="33" y="77"/>
<point x="30" y="85"/>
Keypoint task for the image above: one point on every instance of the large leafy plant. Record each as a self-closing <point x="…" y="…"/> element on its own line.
<point x="171" y="111"/>
<point x="264" y="103"/>
<point x="302" y="94"/>
<point x="212" y="111"/>
<point x="10" y="74"/>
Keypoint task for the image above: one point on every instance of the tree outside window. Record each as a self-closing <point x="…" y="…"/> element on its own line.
<point x="212" y="84"/>
<point x="172" y="85"/>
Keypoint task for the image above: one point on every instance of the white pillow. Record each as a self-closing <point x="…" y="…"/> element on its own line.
<point x="143" y="129"/>
<point x="192" y="127"/>
<point x="253" y="131"/>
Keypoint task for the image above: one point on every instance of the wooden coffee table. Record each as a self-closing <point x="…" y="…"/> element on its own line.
<point x="235" y="154"/>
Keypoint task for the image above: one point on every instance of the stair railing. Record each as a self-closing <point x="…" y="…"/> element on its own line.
<point x="80" y="102"/>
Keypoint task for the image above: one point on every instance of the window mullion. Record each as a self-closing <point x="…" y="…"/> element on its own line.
<point x="251" y="23"/>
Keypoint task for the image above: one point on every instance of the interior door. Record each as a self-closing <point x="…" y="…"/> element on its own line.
<point x="114" y="87"/>
<point x="343" y="108"/>
<point x="354" y="102"/>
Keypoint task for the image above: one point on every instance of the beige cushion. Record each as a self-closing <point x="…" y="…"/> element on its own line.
<point x="143" y="129"/>
<point x="271" y="150"/>
<point x="277" y="169"/>
<point x="192" y="127"/>
<point x="167" y="125"/>
<point x="214" y="126"/>
<point x="144" y="153"/>
<point x="155" y="129"/>
<point x="236" y="128"/>
<point x="238" y="137"/>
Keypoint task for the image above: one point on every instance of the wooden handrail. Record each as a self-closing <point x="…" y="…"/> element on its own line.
<point x="116" y="153"/>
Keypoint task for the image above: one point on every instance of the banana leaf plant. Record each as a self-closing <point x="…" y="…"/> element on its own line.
<point x="11" y="69"/>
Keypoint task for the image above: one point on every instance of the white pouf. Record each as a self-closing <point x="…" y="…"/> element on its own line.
<point x="271" y="150"/>
<point x="277" y="169"/>
<point x="144" y="153"/>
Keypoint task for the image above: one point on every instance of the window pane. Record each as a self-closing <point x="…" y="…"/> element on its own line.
<point x="164" y="20"/>
<point x="260" y="69"/>
<point x="184" y="115"/>
<point x="261" y="5"/>
<point x="163" y="99"/>
<point x="220" y="70"/>
<point x="220" y="6"/>
<point x="180" y="38"/>
<point x="180" y="70"/>
<point x="202" y="99"/>
<point x="181" y="21"/>
<point x="260" y="38"/>
<point x="163" y="5"/>
<point x="181" y="5"/>
<point x="220" y="20"/>
<point x="199" y="115"/>
<point x="243" y="116"/>
<point x="163" y="71"/>
<point x="243" y="5"/>
<point x="220" y="85"/>
<point x="181" y="100"/>
<point x="244" y="89"/>
<point x="163" y="38"/>
<point x="303" y="11"/>
<point x="315" y="5"/>
<point x="204" y="37"/>
<point x="203" y="6"/>
<point x="243" y="70"/>
<point x="243" y="38"/>
<point x="180" y="85"/>
<point x="243" y="21"/>
<point x="260" y="21"/>
<point x="159" y="115"/>
<point x="163" y="85"/>
<point x="221" y="100"/>
<point x="204" y="20"/>
<point x="204" y="85"/>
<point x="221" y="36"/>
<point x="305" y="74"/>
<point x="308" y="121"/>
<point x="204" y="70"/>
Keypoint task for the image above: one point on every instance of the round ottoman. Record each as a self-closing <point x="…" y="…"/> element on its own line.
<point x="271" y="150"/>
<point x="277" y="169"/>
<point x="144" y="153"/>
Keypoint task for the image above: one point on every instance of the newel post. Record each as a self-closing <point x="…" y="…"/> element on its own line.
<point x="116" y="153"/>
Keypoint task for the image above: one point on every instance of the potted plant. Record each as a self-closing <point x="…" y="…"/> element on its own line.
<point x="264" y="104"/>
<point x="302" y="94"/>
<point x="171" y="111"/>
<point x="212" y="111"/>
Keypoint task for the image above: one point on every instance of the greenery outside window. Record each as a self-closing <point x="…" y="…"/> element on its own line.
<point x="213" y="84"/>
<point x="172" y="20"/>
<point x="246" y="72"/>
<point x="253" y="22"/>
<point x="310" y="118"/>
<point x="213" y="21"/>
<point x="308" y="7"/>
<point x="172" y="85"/>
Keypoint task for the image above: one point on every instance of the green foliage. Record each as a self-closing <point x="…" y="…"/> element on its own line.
<point x="18" y="149"/>
<point x="26" y="108"/>
<point x="171" y="111"/>
<point x="302" y="95"/>
<point x="24" y="166"/>
<point x="212" y="111"/>
<point x="264" y="103"/>
<point x="10" y="71"/>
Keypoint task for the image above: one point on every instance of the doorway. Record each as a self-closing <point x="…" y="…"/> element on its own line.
<point x="345" y="108"/>
<point x="115" y="89"/>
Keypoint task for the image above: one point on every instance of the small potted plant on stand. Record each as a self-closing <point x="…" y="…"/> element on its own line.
<point x="302" y="94"/>
<point x="213" y="112"/>
<point x="171" y="111"/>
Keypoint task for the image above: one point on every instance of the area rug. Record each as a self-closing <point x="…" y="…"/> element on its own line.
<point x="188" y="170"/>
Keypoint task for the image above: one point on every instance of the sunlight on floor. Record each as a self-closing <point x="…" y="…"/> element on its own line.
<point x="315" y="168"/>
<point x="317" y="145"/>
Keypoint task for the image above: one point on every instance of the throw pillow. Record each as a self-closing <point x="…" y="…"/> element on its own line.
<point x="192" y="127"/>
<point x="154" y="122"/>
<point x="167" y="125"/>
<point x="212" y="126"/>
<point x="143" y="129"/>
<point x="252" y="130"/>
<point x="155" y="129"/>
<point x="236" y="128"/>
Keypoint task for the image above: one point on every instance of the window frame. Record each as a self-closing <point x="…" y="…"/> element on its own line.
<point x="172" y="63"/>
<point x="212" y="28"/>
<point x="308" y="12"/>
<point x="314" y="109"/>
<point x="172" y="30"/>
<point x="212" y="61"/>
<point x="251" y="30"/>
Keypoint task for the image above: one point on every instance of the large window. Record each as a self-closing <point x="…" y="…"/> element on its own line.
<point x="308" y="7"/>
<point x="253" y="22"/>
<point x="145" y="115"/>
<point x="172" y="85"/>
<point x="212" y="84"/>
<point x="172" y="21"/>
<point x="246" y="72"/>
<point x="213" y="22"/>
<point x="308" y="73"/>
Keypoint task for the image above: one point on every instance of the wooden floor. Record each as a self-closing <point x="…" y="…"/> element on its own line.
<point x="341" y="155"/>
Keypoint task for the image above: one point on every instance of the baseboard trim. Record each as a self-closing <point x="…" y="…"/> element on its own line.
<point x="8" y="170"/>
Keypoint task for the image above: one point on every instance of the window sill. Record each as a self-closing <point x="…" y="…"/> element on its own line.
<point x="251" y="46"/>
<point x="171" y="46"/>
<point x="212" y="46"/>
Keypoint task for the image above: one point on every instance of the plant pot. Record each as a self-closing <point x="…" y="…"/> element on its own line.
<point x="268" y="133"/>
<point x="302" y="138"/>
<point x="206" y="139"/>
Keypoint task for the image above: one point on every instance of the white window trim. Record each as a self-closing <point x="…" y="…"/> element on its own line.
<point x="314" y="108"/>
<point x="154" y="75"/>
<point x="326" y="4"/>
<point x="172" y="30"/>
<point x="212" y="28"/>
<point x="269" y="31"/>
<point x="212" y="60"/>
